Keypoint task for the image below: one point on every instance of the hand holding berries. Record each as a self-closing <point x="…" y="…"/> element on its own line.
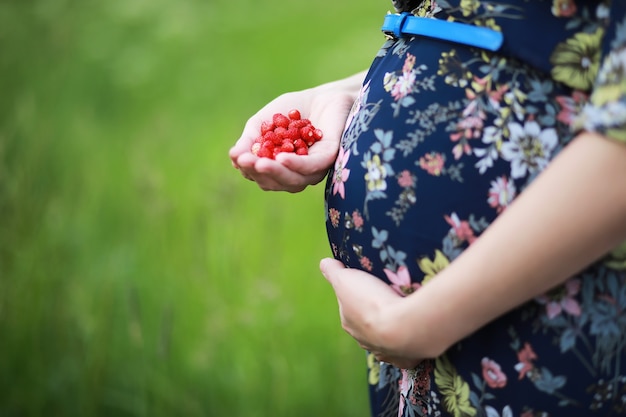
<point x="285" y="133"/>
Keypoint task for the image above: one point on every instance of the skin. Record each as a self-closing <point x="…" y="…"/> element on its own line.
<point x="570" y="216"/>
<point x="327" y="106"/>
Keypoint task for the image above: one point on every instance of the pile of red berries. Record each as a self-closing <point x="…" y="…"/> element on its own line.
<point x="285" y="133"/>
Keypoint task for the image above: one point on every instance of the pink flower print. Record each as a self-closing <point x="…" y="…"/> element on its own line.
<point x="405" y="387"/>
<point x="405" y="179"/>
<point x="357" y="219"/>
<point x="562" y="299"/>
<point x="570" y="106"/>
<point x="341" y="173"/>
<point x="365" y="263"/>
<point x="470" y="127"/>
<point x="401" y="281"/>
<point x="563" y="8"/>
<point x="432" y="163"/>
<point x="461" y="229"/>
<point x="501" y="193"/>
<point x="492" y="373"/>
<point x="409" y="63"/>
<point x="525" y="358"/>
<point x="334" y="216"/>
<point x="403" y="85"/>
<point x="495" y="96"/>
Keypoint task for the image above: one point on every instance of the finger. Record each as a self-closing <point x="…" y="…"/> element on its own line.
<point x="320" y="158"/>
<point x="330" y="267"/>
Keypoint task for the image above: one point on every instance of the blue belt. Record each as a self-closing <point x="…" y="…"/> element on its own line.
<point x="403" y="24"/>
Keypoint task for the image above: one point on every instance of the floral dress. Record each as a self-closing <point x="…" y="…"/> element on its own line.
<point x="441" y="140"/>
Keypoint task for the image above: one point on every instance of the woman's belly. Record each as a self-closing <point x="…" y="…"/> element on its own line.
<point x="440" y="142"/>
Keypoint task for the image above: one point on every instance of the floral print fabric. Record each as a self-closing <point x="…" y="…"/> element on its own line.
<point x="441" y="140"/>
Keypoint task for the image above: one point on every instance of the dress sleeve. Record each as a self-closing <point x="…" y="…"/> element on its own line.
<point x="605" y="111"/>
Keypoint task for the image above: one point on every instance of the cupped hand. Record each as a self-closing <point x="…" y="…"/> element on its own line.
<point x="327" y="110"/>
<point x="370" y="313"/>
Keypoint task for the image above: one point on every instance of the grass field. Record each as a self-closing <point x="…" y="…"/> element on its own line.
<point x="140" y="275"/>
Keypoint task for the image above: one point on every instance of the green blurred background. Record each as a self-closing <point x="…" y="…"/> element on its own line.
<point x="140" y="275"/>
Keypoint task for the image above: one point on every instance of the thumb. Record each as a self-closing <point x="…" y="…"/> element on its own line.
<point x="329" y="267"/>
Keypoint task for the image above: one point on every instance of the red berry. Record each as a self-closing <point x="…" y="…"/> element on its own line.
<point x="298" y="123"/>
<point x="317" y="134"/>
<point x="265" y="153"/>
<point x="280" y="120"/>
<point x="280" y="132"/>
<point x="271" y="136"/>
<point x="267" y="126"/>
<point x="292" y="133"/>
<point x="299" y="143"/>
<point x="287" y="146"/>
<point x="306" y="133"/>
<point x="302" y="151"/>
<point x="255" y="148"/>
<point x="294" y="114"/>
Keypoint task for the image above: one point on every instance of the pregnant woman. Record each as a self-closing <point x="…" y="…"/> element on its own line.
<point x="476" y="206"/>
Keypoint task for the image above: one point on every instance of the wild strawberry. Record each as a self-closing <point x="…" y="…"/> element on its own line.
<point x="272" y="137"/>
<point x="299" y="143"/>
<point x="292" y="133"/>
<point x="265" y="153"/>
<point x="280" y="132"/>
<point x="294" y="114"/>
<point x="255" y="148"/>
<point x="306" y="133"/>
<point x="317" y="134"/>
<point x="267" y="126"/>
<point x="287" y="146"/>
<point x="280" y="120"/>
<point x="302" y="151"/>
<point x="268" y="144"/>
<point x="298" y="124"/>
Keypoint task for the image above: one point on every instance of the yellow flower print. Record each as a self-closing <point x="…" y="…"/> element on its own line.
<point x="469" y="7"/>
<point x="611" y="83"/>
<point x="489" y="23"/>
<point x="374" y="369"/>
<point x="432" y="268"/>
<point x="376" y="174"/>
<point x="423" y="10"/>
<point x="390" y="79"/>
<point x="576" y="61"/>
<point x="454" y="389"/>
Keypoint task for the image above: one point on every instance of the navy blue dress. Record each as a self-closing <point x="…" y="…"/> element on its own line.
<point x="441" y="140"/>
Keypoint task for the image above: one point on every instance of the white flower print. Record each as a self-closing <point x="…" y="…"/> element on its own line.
<point x="491" y="137"/>
<point x="529" y="148"/>
<point x="376" y="174"/>
<point x="492" y="412"/>
<point x="501" y="193"/>
<point x="404" y="85"/>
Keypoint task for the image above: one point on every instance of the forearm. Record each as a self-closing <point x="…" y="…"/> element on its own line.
<point x="351" y="84"/>
<point x="573" y="214"/>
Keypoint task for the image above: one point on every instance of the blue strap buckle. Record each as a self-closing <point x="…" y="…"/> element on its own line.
<point x="396" y="26"/>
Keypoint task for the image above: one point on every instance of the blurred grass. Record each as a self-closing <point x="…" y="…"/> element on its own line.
<point x="140" y="275"/>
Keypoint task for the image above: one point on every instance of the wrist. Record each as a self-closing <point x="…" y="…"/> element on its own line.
<point x="350" y="85"/>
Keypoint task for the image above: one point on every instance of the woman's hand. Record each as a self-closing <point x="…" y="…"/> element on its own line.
<point x="370" y="312"/>
<point x="327" y="106"/>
